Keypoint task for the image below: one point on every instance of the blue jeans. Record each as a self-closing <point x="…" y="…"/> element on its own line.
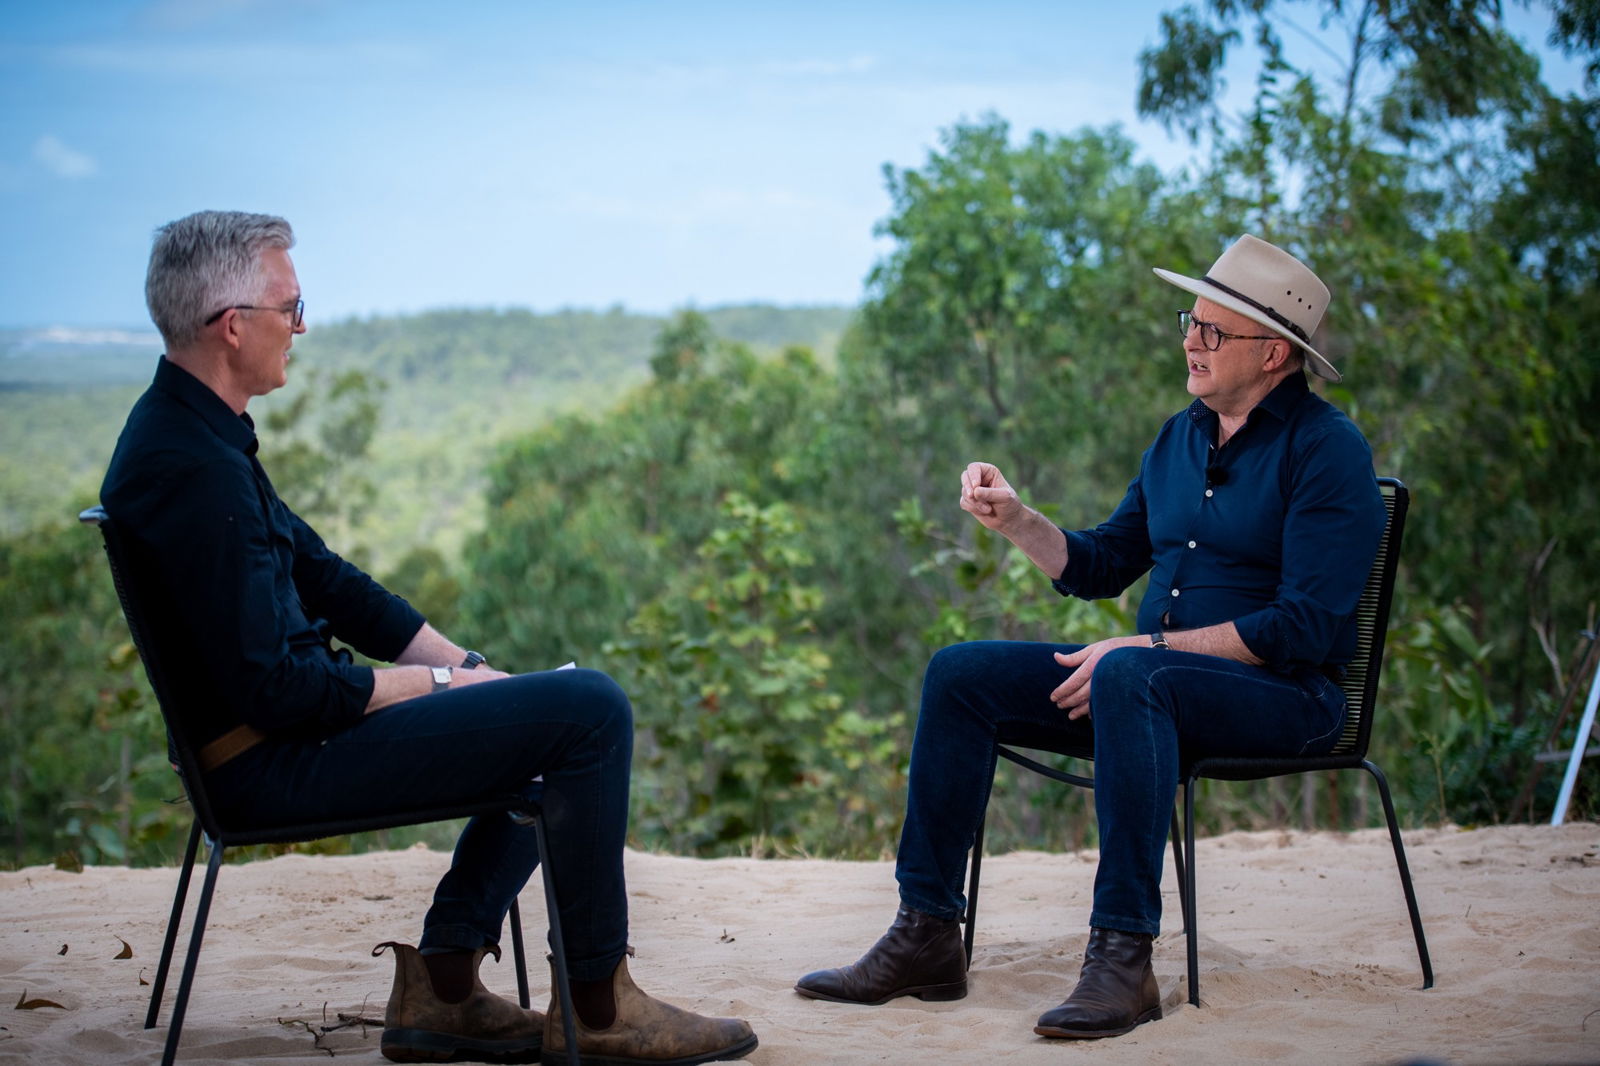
<point x="574" y="727"/>
<point x="1146" y="706"/>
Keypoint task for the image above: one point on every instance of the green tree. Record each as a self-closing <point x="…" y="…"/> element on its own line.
<point x="745" y="742"/>
<point x="316" y="444"/>
<point x="85" y="774"/>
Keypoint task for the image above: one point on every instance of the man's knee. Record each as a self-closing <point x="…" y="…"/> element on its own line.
<point x="1124" y="672"/>
<point x="602" y="698"/>
<point x="955" y="667"/>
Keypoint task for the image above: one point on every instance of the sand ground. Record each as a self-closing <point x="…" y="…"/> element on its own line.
<point x="1306" y="955"/>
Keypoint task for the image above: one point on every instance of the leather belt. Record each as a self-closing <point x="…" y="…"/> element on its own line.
<point x="231" y="744"/>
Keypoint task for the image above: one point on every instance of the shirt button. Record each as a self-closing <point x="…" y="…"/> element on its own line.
<point x="1191" y="544"/>
<point x="1174" y="592"/>
<point x="1210" y="493"/>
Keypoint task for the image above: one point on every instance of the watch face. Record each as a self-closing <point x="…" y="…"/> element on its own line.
<point x="441" y="675"/>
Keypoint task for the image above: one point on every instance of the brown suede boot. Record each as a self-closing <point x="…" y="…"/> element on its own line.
<point x="420" y="1027"/>
<point x="646" y="1030"/>
<point x="920" y="956"/>
<point x="1116" y="990"/>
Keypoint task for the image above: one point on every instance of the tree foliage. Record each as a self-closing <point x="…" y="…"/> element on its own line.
<point x="764" y="546"/>
<point x="85" y="774"/>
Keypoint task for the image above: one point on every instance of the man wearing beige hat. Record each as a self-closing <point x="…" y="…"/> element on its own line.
<point x="1257" y="515"/>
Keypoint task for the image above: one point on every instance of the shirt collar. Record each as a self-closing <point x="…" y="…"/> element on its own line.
<point x="238" y="431"/>
<point x="1278" y="403"/>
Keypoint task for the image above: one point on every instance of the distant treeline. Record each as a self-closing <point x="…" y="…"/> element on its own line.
<point x="453" y="383"/>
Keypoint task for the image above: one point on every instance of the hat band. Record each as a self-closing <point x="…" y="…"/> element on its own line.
<point x="1269" y="312"/>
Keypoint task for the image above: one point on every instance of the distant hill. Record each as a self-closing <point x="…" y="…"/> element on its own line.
<point x="482" y="365"/>
<point x="455" y="383"/>
<point x="39" y="360"/>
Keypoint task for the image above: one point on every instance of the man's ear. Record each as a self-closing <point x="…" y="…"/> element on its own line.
<point x="1278" y="352"/>
<point x="228" y="330"/>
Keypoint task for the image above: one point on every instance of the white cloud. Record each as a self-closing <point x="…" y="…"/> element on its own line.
<point x="850" y="70"/>
<point x="233" y="62"/>
<point x="821" y="68"/>
<point x="61" y="160"/>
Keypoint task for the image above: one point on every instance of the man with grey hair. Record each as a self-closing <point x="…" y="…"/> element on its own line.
<point x="1257" y="516"/>
<point x="290" y="729"/>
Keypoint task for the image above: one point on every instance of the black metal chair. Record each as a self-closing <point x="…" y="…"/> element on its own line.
<point x="1361" y="690"/>
<point x="220" y="836"/>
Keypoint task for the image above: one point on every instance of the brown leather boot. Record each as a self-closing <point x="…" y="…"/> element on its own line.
<point x="646" y="1030"/>
<point x="420" y="1027"/>
<point x="1116" y="990"/>
<point x="920" y="956"/>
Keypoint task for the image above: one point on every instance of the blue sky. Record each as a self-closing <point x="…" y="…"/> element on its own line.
<point x="527" y="154"/>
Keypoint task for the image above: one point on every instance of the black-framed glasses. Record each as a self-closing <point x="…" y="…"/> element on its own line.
<point x="297" y="313"/>
<point x="1212" y="337"/>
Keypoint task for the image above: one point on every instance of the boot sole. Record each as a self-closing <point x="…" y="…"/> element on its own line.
<point x="426" y="1045"/>
<point x="929" y="993"/>
<point x="1150" y="1015"/>
<point x="554" y="1057"/>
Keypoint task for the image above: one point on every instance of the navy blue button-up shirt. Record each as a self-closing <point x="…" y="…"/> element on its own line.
<point x="244" y="594"/>
<point x="1277" y="540"/>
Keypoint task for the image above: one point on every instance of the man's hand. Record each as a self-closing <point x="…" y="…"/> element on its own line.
<point x="459" y="676"/>
<point x="1072" y="695"/>
<point x="988" y="497"/>
<point x="394" y="684"/>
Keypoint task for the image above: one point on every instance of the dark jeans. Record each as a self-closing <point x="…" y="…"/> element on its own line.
<point x="573" y="727"/>
<point x="1146" y="705"/>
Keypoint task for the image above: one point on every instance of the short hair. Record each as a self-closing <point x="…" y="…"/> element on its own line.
<point x="205" y="262"/>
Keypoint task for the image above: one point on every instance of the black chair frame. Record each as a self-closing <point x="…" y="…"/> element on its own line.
<point x="1360" y="684"/>
<point x="220" y="837"/>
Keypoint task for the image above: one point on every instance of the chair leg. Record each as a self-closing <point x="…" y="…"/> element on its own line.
<point x="972" y="888"/>
<point x="202" y="912"/>
<point x="1191" y="935"/>
<point x="518" y="954"/>
<point x="1178" y="867"/>
<point x="557" y="946"/>
<point x="171" y="939"/>
<point x="1405" y="871"/>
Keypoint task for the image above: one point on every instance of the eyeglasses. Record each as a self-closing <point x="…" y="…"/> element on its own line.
<point x="296" y="313"/>
<point x="1212" y="337"/>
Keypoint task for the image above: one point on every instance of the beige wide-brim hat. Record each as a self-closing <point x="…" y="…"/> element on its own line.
<point x="1266" y="284"/>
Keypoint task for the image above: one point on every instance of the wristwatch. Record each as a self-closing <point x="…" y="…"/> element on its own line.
<point x="441" y="677"/>
<point x="473" y="660"/>
<point x="1158" y="639"/>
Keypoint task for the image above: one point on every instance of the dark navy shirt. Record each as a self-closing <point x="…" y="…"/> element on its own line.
<point x="245" y="592"/>
<point x="1278" y="540"/>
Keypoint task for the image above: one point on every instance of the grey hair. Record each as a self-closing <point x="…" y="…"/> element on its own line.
<point x="205" y="262"/>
